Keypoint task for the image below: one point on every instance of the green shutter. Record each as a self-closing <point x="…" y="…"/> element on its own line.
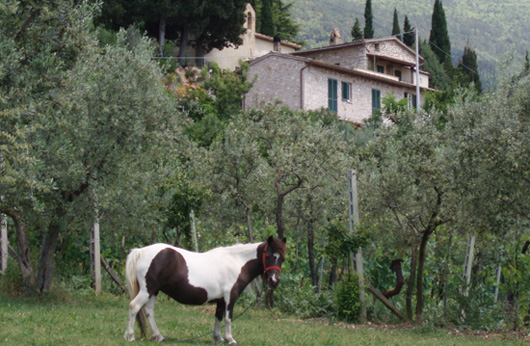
<point x="345" y="91"/>
<point x="332" y="95"/>
<point x="376" y="100"/>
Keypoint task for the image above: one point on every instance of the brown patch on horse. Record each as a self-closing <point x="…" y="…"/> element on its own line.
<point x="168" y="273"/>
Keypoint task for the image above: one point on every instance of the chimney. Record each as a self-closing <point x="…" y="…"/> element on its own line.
<point x="335" y="37"/>
<point x="277" y="41"/>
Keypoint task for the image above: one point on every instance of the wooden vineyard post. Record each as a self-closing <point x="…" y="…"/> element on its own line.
<point x="95" y="255"/>
<point x="354" y="222"/>
<point x="469" y="264"/>
<point x="4" y="243"/>
<point x="194" y="241"/>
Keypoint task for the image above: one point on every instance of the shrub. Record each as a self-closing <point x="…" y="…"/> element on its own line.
<point x="348" y="304"/>
<point x="297" y="296"/>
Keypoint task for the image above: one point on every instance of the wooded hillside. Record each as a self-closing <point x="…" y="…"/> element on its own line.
<point x="494" y="29"/>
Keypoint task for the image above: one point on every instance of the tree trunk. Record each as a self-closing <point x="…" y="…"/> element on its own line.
<point x="161" y="34"/>
<point x="279" y="211"/>
<point x="183" y="48"/>
<point x="23" y="254"/>
<point x="249" y="225"/>
<point x="446" y="274"/>
<point x="47" y="256"/>
<point x="396" y="268"/>
<point x="419" y="276"/>
<point x="333" y="273"/>
<point x="411" y="280"/>
<point x="199" y="52"/>
<point x="311" y="254"/>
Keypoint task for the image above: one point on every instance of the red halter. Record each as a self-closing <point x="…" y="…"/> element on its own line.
<point x="266" y="269"/>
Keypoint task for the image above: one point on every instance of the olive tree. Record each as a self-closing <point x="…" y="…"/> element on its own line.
<point x="406" y="183"/>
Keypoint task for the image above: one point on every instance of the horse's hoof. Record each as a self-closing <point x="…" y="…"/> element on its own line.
<point x="158" y="338"/>
<point x="128" y="337"/>
<point x="231" y="342"/>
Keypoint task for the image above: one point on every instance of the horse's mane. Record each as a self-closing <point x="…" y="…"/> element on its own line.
<point x="279" y="246"/>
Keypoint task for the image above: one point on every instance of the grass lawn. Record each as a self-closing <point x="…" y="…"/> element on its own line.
<point x="83" y="319"/>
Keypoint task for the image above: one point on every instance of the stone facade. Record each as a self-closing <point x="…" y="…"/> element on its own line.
<point x="302" y="80"/>
<point x="389" y="54"/>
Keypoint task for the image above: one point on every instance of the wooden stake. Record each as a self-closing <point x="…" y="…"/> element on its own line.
<point x="96" y="256"/>
<point x="4" y="243"/>
<point x="354" y="222"/>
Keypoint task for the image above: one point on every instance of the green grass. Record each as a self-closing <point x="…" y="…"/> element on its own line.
<point x="83" y="319"/>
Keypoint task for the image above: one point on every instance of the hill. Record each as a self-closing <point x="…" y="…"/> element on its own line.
<point x="495" y="29"/>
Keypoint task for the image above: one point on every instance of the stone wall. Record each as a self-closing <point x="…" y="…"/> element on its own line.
<point x="282" y="78"/>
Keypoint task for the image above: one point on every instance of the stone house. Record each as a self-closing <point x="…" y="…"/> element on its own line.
<point x="348" y="78"/>
<point x="254" y="45"/>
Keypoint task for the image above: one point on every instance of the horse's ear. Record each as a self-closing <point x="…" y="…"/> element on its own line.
<point x="284" y="240"/>
<point x="270" y="239"/>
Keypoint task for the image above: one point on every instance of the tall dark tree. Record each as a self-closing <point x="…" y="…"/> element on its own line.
<point x="368" y="20"/>
<point x="409" y="37"/>
<point x="356" y="31"/>
<point x="396" y="31"/>
<point x="439" y="38"/>
<point x="214" y="23"/>
<point x="283" y="23"/>
<point x="158" y="18"/>
<point x="468" y="68"/>
<point x="220" y="30"/>
<point x="266" y="18"/>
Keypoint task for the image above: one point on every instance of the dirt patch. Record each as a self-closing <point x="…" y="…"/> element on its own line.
<point x="499" y="335"/>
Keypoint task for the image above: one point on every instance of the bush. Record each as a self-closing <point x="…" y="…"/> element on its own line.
<point x="348" y="304"/>
<point x="297" y="296"/>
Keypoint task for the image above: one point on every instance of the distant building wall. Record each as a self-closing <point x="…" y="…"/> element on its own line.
<point x="280" y="80"/>
<point x="301" y="86"/>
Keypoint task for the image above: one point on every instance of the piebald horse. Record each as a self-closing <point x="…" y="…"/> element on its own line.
<point x="217" y="276"/>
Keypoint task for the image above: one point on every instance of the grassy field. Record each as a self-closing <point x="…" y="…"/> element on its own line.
<point x="83" y="319"/>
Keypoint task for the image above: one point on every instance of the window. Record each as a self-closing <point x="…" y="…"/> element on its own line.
<point x="376" y="100"/>
<point x="380" y="69"/>
<point x="332" y="95"/>
<point x="411" y="100"/>
<point x="346" y="91"/>
<point x="397" y="73"/>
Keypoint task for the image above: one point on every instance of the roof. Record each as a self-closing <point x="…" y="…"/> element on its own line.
<point x="354" y="72"/>
<point x="271" y="39"/>
<point x="358" y="43"/>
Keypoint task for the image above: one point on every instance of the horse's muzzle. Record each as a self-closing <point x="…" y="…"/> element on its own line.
<point x="273" y="281"/>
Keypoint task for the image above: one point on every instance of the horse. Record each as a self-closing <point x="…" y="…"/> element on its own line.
<point x="216" y="276"/>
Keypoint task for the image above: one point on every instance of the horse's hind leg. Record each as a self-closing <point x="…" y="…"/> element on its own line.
<point x="150" y="312"/>
<point x="134" y="306"/>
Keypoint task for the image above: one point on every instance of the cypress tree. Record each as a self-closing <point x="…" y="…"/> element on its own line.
<point x="396" y="31"/>
<point x="267" y="26"/>
<point x="468" y="67"/>
<point x="356" y="31"/>
<point x="368" y="20"/>
<point x="409" y="37"/>
<point x="439" y="38"/>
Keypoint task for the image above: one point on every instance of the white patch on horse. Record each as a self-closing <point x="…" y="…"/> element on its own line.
<point x="217" y="270"/>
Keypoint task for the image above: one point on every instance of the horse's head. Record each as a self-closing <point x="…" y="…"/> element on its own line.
<point x="272" y="259"/>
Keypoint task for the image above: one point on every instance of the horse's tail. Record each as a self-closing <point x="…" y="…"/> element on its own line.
<point x="130" y="272"/>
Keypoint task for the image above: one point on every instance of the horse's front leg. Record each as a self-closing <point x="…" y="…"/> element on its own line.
<point x="228" y="324"/>
<point x="219" y="314"/>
